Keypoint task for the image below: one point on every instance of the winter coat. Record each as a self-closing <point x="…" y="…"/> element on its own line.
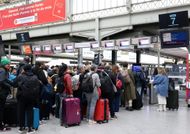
<point x="5" y="84"/>
<point x="68" y="84"/>
<point x="129" y="85"/>
<point x="161" y="84"/>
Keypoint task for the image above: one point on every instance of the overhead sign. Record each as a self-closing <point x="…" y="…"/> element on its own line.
<point x="46" y="11"/>
<point x="47" y="49"/>
<point x="172" y="20"/>
<point x="108" y="44"/>
<point x="37" y="49"/>
<point x="23" y="37"/>
<point x="82" y="45"/>
<point x="145" y="42"/>
<point x="57" y="48"/>
<point x="174" y="38"/>
<point x="26" y="49"/>
<point x="125" y="44"/>
<point x="69" y="47"/>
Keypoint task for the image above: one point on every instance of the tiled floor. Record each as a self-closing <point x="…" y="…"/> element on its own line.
<point x="145" y="121"/>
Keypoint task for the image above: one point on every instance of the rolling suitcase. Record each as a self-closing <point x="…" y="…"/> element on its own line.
<point x="137" y="104"/>
<point x="152" y="95"/>
<point x="173" y="100"/>
<point x="71" y="112"/>
<point x="102" y="111"/>
<point x="11" y="113"/>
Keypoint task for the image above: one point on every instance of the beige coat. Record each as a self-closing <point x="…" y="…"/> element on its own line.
<point x="129" y="85"/>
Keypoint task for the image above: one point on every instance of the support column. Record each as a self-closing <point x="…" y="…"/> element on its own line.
<point x="33" y="59"/>
<point x="138" y="56"/>
<point x="9" y="51"/>
<point x="97" y="56"/>
<point x="80" y="56"/>
<point x="114" y="57"/>
<point x="159" y="57"/>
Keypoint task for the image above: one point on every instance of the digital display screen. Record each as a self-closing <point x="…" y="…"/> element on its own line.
<point x="47" y="48"/>
<point x="109" y="44"/>
<point x="69" y="47"/>
<point x="26" y="49"/>
<point x="172" y="20"/>
<point x="95" y="45"/>
<point x="124" y="43"/>
<point x="136" y="68"/>
<point x="144" y="41"/>
<point x="23" y="37"/>
<point x="173" y="39"/>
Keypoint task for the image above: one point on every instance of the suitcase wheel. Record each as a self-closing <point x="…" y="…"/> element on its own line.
<point x="66" y="126"/>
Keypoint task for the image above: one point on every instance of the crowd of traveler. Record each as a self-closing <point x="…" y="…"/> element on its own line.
<point x="45" y="88"/>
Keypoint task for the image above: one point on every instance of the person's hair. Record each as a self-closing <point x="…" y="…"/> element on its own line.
<point x="161" y="71"/>
<point x="62" y="69"/>
<point x="155" y="71"/>
<point x="93" y="68"/>
<point x="115" y="68"/>
<point x="27" y="68"/>
<point x="125" y="65"/>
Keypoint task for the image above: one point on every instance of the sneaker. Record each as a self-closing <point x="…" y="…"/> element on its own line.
<point x="113" y="117"/>
<point x="21" y="130"/>
<point x="129" y="109"/>
<point x="31" y="131"/>
<point x="5" y="128"/>
<point x="91" y="122"/>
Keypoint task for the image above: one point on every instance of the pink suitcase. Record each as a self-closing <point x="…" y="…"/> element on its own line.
<point x="71" y="112"/>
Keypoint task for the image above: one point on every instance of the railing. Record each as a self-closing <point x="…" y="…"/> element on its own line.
<point x="87" y="9"/>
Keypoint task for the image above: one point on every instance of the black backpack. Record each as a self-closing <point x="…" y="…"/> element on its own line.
<point x="105" y="80"/>
<point x="87" y="84"/>
<point x="30" y="87"/>
<point x="60" y="85"/>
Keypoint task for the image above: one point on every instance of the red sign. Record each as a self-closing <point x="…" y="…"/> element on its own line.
<point x="42" y="12"/>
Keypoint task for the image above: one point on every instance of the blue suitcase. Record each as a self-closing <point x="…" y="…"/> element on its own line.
<point x="36" y="121"/>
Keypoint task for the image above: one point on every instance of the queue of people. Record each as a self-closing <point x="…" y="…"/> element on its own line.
<point x="45" y="88"/>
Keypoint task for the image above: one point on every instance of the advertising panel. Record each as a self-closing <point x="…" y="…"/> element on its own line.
<point x="46" y="11"/>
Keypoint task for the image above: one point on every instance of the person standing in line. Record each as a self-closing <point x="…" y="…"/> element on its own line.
<point x="4" y="89"/>
<point x="92" y="97"/>
<point x="129" y="86"/>
<point x="161" y="82"/>
<point x="115" y="77"/>
<point x="29" y="86"/>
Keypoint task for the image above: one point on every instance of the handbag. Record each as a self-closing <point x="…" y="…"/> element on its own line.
<point x="119" y="83"/>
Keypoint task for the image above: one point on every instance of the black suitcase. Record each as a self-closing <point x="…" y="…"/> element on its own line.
<point x="137" y="103"/>
<point x="10" y="116"/>
<point x="173" y="100"/>
<point x="45" y="110"/>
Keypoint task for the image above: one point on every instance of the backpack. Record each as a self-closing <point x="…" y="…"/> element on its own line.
<point x="59" y="86"/>
<point x="106" y="85"/>
<point x="30" y="87"/>
<point x="46" y="93"/>
<point x="87" y="84"/>
<point x="75" y="82"/>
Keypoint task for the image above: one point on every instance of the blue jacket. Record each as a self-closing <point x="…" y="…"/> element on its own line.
<point x="161" y="82"/>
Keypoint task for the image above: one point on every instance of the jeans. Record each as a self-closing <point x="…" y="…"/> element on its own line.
<point x="25" y="107"/>
<point x="91" y="105"/>
<point x="116" y="101"/>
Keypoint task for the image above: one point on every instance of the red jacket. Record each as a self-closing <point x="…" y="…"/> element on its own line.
<point x="68" y="84"/>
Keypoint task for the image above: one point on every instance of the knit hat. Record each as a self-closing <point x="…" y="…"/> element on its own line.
<point x="5" y="61"/>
